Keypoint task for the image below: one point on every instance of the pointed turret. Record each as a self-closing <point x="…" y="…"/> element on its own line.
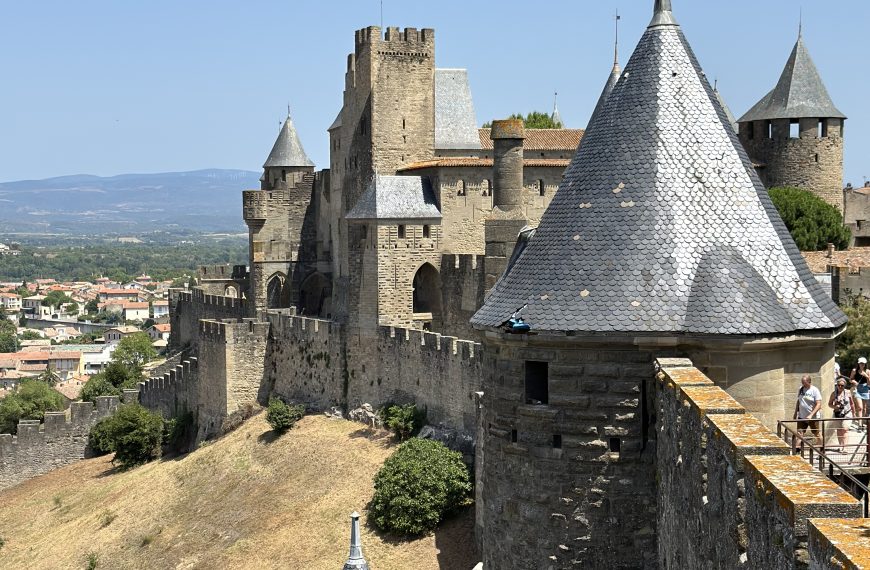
<point x="612" y="79"/>
<point x="731" y="120"/>
<point x="556" y="116"/>
<point x="287" y="151"/>
<point x="800" y="92"/>
<point x="660" y="224"/>
<point x="355" y="560"/>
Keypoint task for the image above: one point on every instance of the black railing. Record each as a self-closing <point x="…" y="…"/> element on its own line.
<point x="841" y="462"/>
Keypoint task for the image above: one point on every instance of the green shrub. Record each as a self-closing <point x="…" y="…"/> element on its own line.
<point x="92" y="559"/>
<point x="283" y="416"/>
<point x="29" y="402"/>
<point x="177" y="432"/>
<point x="98" y="386"/>
<point x="101" y="439"/>
<point x="404" y="421"/>
<point x="133" y="433"/>
<point x="417" y="486"/>
<point x="812" y="222"/>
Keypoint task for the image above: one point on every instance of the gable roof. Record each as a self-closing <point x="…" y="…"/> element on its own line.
<point x="661" y="225"/>
<point x="799" y="94"/>
<point x="455" y="121"/>
<point x="540" y="139"/>
<point x="287" y="150"/>
<point x="396" y="198"/>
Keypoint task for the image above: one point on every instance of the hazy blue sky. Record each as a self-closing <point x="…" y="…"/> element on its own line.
<point x="107" y="87"/>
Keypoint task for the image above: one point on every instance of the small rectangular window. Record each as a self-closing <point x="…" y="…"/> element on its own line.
<point x="794" y="131"/>
<point x="401" y="231"/>
<point x="750" y="130"/>
<point x="557" y="441"/>
<point x="615" y="445"/>
<point x="513" y="436"/>
<point x="541" y="187"/>
<point x="426" y="231"/>
<point x="537" y="383"/>
<point x="823" y="128"/>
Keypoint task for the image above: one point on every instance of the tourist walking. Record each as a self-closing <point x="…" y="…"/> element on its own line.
<point x="807" y="408"/>
<point x="843" y="405"/>
<point x="861" y="375"/>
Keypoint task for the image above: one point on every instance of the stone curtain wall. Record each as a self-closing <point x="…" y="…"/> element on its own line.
<point x="173" y="392"/>
<point x="321" y="364"/>
<point x="187" y="308"/>
<point x="462" y="288"/>
<point x="730" y="495"/>
<point x="38" y="449"/>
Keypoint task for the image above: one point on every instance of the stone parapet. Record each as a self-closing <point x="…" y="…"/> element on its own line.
<point x="839" y="544"/>
<point x="730" y="495"/>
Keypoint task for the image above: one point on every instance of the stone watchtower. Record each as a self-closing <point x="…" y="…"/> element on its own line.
<point x="279" y="217"/>
<point x="650" y="248"/>
<point x="795" y="133"/>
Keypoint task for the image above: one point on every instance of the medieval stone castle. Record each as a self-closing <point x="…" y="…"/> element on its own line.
<point x="630" y="426"/>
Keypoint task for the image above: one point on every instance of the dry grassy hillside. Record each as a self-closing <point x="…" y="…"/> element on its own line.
<point x="245" y="501"/>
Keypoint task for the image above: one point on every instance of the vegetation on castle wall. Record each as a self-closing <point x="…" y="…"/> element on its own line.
<point x="133" y="433"/>
<point x="29" y="402"/>
<point x="534" y="120"/>
<point x="855" y="340"/>
<point x="404" y="421"/>
<point x="812" y="222"/>
<point x="418" y="486"/>
<point x="282" y="416"/>
<point x="110" y="382"/>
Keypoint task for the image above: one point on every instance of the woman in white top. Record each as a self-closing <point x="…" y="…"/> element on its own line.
<point x="843" y="405"/>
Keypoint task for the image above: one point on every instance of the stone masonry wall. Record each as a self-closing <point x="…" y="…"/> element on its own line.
<point x="462" y="289"/>
<point x="730" y="495"/>
<point x="60" y="441"/>
<point x="187" y="308"/>
<point x="320" y="363"/>
<point x="173" y="392"/>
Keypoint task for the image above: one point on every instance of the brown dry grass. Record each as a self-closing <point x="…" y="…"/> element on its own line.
<point x="245" y="501"/>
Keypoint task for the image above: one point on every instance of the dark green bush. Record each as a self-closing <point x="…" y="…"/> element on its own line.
<point x="98" y="386"/>
<point x="812" y="222"/>
<point x="101" y="439"/>
<point x="133" y="433"/>
<point x="404" y="421"/>
<point x="283" y="416"/>
<point x="29" y="402"/>
<point x="417" y="486"/>
<point x="178" y="432"/>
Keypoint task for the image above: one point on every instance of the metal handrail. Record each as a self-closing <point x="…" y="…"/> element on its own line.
<point x="859" y="489"/>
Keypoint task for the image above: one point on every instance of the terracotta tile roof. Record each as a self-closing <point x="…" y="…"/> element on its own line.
<point x="542" y="139"/>
<point x="133" y="305"/>
<point x="161" y="303"/>
<point x="71" y="389"/>
<point x="854" y="257"/>
<point x="162" y="327"/>
<point x="483" y="162"/>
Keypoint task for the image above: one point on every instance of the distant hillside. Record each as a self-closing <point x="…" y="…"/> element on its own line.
<point x="245" y="501"/>
<point x="201" y="201"/>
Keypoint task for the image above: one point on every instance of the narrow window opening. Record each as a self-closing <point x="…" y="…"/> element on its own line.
<point x="460" y="188"/>
<point x="557" y="441"/>
<point x="513" y="436"/>
<point x="794" y="131"/>
<point x="644" y="415"/>
<point x="769" y="130"/>
<point x="401" y="231"/>
<point x="817" y="157"/>
<point x="283" y="175"/>
<point x="750" y="130"/>
<point x="615" y="444"/>
<point x="426" y="231"/>
<point x="541" y="187"/>
<point x="823" y="128"/>
<point x="537" y="383"/>
<point x="403" y="123"/>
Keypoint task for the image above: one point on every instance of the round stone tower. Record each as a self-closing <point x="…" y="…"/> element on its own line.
<point x="794" y="135"/>
<point x="660" y="242"/>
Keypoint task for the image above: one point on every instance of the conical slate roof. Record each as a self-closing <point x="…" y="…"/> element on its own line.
<point x="728" y="114"/>
<point x="799" y="94"/>
<point x="557" y="116"/>
<point x="287" y="150"/>
<point x="612" y="79"/>
<point x="660" y="224"/>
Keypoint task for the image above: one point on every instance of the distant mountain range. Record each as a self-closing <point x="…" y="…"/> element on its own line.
<point x="198" y="201"/>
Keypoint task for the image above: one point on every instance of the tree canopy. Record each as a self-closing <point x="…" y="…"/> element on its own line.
<point x="534" y="120"/>
<point x="812" y="222"/>
<point x="134" y="350"/>
<point x="29" y="402"/>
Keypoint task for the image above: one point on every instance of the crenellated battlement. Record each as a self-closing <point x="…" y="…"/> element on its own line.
<point x="220" y="272"/>
<point x="433" y="342"/>
<point x="461" y="263"/>
<point x="286" y="320"/>
<point x="235" y="332"/>
<point x="396" y="38"/>
<point x="62" y="439"/>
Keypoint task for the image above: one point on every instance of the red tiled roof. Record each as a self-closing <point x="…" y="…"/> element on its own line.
<point x="162" y="327"/>
<point x="134" y="305"/>
<point x="853" y="258"/>
<point x="484" y="162"/>
<point x="542" y="139"/>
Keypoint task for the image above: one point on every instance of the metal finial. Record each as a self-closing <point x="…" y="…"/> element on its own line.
<point x="801" y="22"/>
<point x="662" y="14"/>
<point x="663" y="6"/>
<point x="355" y="560"/>
<point x="616" y="40"/>
<point x="288" y="109"/>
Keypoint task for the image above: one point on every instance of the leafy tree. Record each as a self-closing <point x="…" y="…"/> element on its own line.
<point x="29" y="402"/>
<point x="92" y="306"/>
<point x="30" y="334"/>
<point x="283" y="417"/>
<point x="133" y="433"/>
<point x="134" y="350"/>
<point x="97" y="386"/>
<point x="417" y="486"/>
<point x="534" y="120"/>
<point x="404" y="421"/>
<point x="855" y="340"/>
<point x="72" y="308"/>
<point x="55" y="299"/>
<point x="49" y="376"/>
<point x="7" y="326"/>
<point x="120" y="375"/>
<point x="812" y="222"/>
<point x="8" y="342"/>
